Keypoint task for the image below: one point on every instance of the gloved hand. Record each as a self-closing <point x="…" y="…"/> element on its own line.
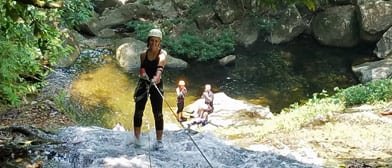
<point x="156" y="79"/>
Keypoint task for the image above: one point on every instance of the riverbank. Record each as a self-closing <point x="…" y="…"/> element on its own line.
<point x="358" y="136"/>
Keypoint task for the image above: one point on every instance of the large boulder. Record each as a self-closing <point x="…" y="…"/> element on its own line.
<point x="289" y="26"/>
<point x="71" y="39"/>
<point x="166" y="8"/>
<point x="370" y="71"/>
<point x="226" y="110"/>
<point x="101" y="5"/>
<point x="227" y="11"/>
<point x="184" y="4"/>
<point x="116" y="16"/>
<point x="246" y="31"/>
<point x="375" y="18"/>
<point x="128" y="55"/>
<point x="336" y="26"/>
<point x="384" y="46"/>
<point x="206" y="19"/>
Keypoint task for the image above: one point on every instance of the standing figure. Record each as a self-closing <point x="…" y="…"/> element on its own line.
<point x="181" y="91"/>
<point x="152" y="62"/>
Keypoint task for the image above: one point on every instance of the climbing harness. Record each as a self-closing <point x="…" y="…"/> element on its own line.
<point x="193" y="141"/>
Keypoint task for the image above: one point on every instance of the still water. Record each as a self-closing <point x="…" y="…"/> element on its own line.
<point x="265" y="74"/>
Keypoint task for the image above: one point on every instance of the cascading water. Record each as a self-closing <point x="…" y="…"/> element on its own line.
<point x="98" y="147"/>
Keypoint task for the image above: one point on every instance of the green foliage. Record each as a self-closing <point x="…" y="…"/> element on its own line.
<point x="30" y="41"/>
<point x="265" y="24"/>
<point x="310" y="4"/>
<point x="379" y="90"/>
<point x="204" y="47"/>
<point x="76" y="12"/>
<point x="190" y="45"/>
<point x="141" y="29"/>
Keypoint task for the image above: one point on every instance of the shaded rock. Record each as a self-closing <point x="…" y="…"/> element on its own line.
<point x="206" y="19"/>
<point x="246" y="31"/>
<point x="101" y="5"/>
<point x="184" y="4"/>
<point x="227" y="11"/>
<point x="384" y="46"/>
<point x="289" y="26"/>
<point x="117" y="16"/>
<point x="336" y="26"/>
<point x="106" y="33"/>
<point x="71" y="39"/>
<point x="166" y="8"/>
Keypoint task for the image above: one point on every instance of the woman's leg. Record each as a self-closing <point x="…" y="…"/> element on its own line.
<point x="156" y="103"/>
<point x="138" y="116"/>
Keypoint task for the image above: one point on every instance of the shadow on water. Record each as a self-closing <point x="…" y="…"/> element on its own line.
<point x="280" y="75"/>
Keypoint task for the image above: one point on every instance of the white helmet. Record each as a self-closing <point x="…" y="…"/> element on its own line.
<point x="181" y="82"/>
<point x="155" y="33"/>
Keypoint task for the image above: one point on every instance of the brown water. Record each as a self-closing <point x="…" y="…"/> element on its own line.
<point x="112" y="89"/>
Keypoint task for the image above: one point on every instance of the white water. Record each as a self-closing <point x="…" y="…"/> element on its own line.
<point x="98" y="147"/>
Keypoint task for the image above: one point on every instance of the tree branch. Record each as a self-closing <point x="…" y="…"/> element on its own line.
<point x="43" y="4"/>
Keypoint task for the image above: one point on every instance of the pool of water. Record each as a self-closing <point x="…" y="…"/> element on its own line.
<point x="265" y="74"/>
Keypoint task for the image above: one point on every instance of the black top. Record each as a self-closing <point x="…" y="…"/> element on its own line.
<point x="151" y="66"/>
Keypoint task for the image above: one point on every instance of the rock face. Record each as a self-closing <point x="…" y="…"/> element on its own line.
<point x="227" y="11"/>
<point x="373" y="70"/>
<point x="336" y="26"/>
<point x="384" y="46"/>
<point x="225" y="109"/>
<point x="228" y="60"/>
<point x="375" y="17"/>
<point x="246" y="31"/>
<point x="128" y="55"/>
<point x="289" y="26"/>
<point x="117" y="16"/>
<point x="68" y="60"/>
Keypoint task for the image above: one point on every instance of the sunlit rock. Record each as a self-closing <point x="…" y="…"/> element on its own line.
<point x="226" y="109"/>
<point x="373" y="70"/>
<point x="375" y="17"/>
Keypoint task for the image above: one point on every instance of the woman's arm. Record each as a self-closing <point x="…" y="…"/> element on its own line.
<point x="162" y="62"/>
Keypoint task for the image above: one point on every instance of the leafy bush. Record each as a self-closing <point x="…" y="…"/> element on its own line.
<point x="202" y="47"/>
<point x="190" y="45"/>
<point x="30" y="42"/>
<point x="379" y="90"/>
<point x="76" y="12"/>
